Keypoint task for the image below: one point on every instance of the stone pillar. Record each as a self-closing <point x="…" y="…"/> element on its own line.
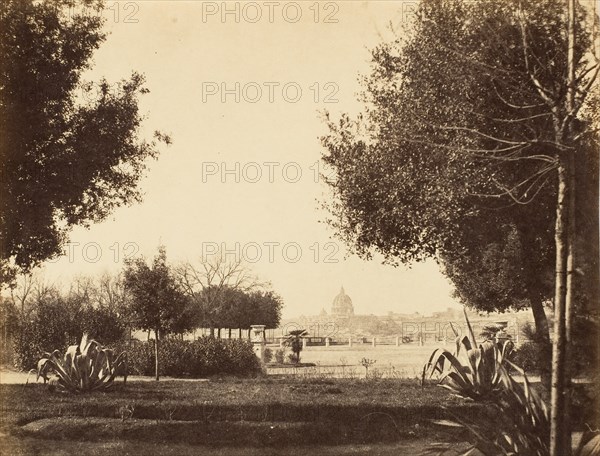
<point x="327" y="341"/>
<point x="258" y="341"/>
<point x="397" y="341"/>
<point x="373" y="342"/>
<point x="350" y="341"/>
<point x="303" y="342"/>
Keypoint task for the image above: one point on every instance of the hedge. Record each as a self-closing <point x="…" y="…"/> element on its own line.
<point x="203" y="357"/>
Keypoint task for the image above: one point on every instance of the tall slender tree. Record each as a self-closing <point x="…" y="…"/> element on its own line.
<point x="155" y="299"/>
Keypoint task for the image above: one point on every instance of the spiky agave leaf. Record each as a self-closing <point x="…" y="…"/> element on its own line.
<point x="471" y="334"/>
<point x="69" y="360"/>
<point x="431" y="367"/>
<point x="589" y="444"/>
<point x="523" y="422"/>
<point x="44" y="366"/>
<point x="118" y="363"/>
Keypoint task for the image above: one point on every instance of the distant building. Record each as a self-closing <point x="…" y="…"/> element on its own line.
<point x="341" y="323"/>
<point x="342" y="305"/>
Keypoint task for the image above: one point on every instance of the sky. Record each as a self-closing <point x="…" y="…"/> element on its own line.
<point x="241" y="88"/>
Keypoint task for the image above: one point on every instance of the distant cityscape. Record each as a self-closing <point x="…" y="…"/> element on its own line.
<point x="342" y="323"/>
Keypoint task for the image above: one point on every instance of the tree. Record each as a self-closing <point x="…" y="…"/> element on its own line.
<point x="100" y="320"/>
<point x="208" y="283"/>
<point x="234" y="311"/>
<point x="235" y="308"/>
<point x="475" y="113"/>
<point x="294" y="341"/>
<point x="8" y="325"/>
<point x="65" y="159"/>
<point x="269" y="305"/>
<point x="47" y="316"/>
<point x="156" y="301"/>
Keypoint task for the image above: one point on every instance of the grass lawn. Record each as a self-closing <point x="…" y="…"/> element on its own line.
<point x="407" y="358"/>
<point x="231" y="416"/>
<point x="29" y="446"/>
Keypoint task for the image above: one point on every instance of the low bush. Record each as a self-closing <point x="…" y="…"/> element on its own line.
<point x="280" y="356"/>
<point x="59" y="322"/>
<point x="203" y="357"/>
<point x="268" y="355"/>
<point x="528" y="357"/>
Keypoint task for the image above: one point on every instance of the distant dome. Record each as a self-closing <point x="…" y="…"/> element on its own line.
<point x="342" y="304"/>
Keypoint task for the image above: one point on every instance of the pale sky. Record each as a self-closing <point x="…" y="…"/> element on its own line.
<point x="205" y="189"/>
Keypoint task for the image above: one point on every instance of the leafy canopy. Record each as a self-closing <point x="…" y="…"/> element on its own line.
<point x="456" y="141"/>
<point x="155" y="300"/>
<point x="66" y="158"/>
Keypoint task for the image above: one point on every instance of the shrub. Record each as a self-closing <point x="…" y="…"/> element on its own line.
<point x="528" y="357"/>
<point x="200" y="358"/>
<point x="175" y="356"/>
<point x="535" y="355"/>
<point x="366" y="363"/>
<point x="280" y="355"/>
<point x="268" y="355"/>
<point x="59" y="322"/>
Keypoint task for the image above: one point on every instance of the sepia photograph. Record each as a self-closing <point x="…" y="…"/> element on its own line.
<point x="271" y="228"/>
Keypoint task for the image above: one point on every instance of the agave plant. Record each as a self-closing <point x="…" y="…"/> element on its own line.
<point x="521" y="425"/>
<point x="84" y="367"/>
<point x="472" y="371"/>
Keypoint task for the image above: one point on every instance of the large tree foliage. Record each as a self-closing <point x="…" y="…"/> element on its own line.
<point x="474" y="146"/>
<point x="454" y="141"/>
<point x="241" y="309"/>
<point x="65" y="158"/>
<point x="218" y="287"/>
<point x="156" y="302"/>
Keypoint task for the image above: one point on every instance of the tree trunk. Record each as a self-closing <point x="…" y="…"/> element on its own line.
<point x="229" y="333"/>
<point x="558" y="418"/>
<point x="212" y="332"/>
<point x="539" y="316"/>
<point x="156" y="342"/>
<point x="219" y="333"/>
<point x="239" y="333"/>
<point x="542" y="333"/>
<point x="569" y="295"/>
<point x="560" y="426"/>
